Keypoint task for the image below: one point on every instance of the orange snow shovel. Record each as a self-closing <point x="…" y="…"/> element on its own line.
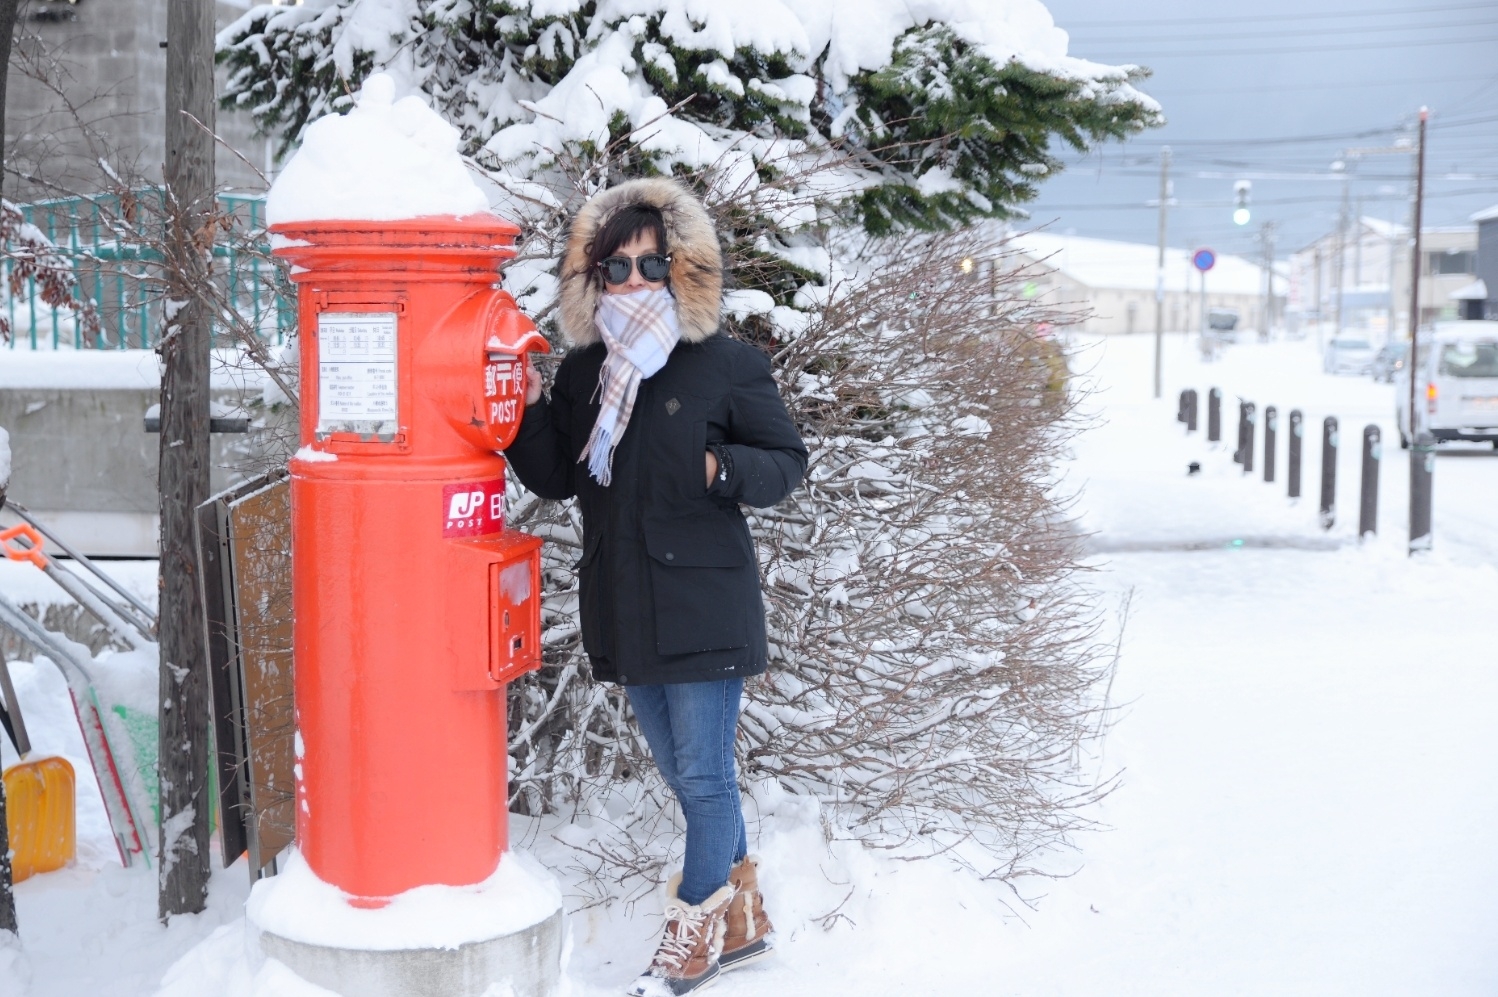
<point x="39" y="798"/>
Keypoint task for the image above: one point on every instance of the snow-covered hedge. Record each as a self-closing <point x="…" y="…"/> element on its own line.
<point x="934" y="667"/>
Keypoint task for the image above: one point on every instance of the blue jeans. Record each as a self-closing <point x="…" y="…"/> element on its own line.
<point x="690" y="727"/>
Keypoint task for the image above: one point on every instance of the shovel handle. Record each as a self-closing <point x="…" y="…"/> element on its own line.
<point x="33" y="553"/>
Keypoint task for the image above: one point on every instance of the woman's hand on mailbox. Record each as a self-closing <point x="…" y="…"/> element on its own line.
<point x="532" y="386"/>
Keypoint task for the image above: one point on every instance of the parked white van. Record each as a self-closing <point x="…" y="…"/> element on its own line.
<point x="1456" y="386"/>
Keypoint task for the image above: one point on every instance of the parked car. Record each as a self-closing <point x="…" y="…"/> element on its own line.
<point x="1224" y="324"/>
<point x="1389" y="361"/>
<point x="1347" y="355"/>
<point x="1456" y="384"/>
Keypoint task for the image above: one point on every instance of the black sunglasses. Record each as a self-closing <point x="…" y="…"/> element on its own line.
<point x="653" y="267"/>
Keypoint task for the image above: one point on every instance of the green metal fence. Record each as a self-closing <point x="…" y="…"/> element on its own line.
<point x="111" y="240"/>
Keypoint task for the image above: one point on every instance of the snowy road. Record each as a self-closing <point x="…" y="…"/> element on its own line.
<point x="1307" y="732"/>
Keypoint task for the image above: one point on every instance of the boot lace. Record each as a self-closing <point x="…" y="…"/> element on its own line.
<point x="683" y="928"/>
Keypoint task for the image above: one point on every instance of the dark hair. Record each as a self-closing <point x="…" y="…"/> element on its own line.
<point x="622" y="226"/>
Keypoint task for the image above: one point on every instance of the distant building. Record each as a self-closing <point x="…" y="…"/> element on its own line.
<point x="1480" y="298"/>
<point x="1110" y="286"/>
<point x="1374" y="258"/>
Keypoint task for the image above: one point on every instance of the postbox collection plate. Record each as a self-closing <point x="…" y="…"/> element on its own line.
<point x="358" y="371"/>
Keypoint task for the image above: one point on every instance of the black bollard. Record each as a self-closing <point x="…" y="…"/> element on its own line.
<point x="1297" y="433"/>
<point x="1214" y="415"/>
<point x="1373" y="452"/>
<point x="1250" y="420"/>
<point x="1422" y="481"/>
<point x="1242" y="431"/>
<point x="1271" y="426"/>
<point x="1328" y="472"/>
<point x="1181" y="405"/>
<point x="1191" y="411"/>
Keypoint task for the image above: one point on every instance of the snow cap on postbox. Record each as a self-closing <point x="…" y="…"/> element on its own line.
<point x="385" y="159"/>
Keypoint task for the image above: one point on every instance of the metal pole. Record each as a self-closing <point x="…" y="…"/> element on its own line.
<point x="1328" y="472"/>
<point x="1160" y="268"/>
<point x="1214" y="415"/>
<point x="1271" y="426"/>
<point x="1423" y="445"/>
<point x="1208" y="347"/>
<point x="1297" y="433"/>
<point x="1373" y="453"/>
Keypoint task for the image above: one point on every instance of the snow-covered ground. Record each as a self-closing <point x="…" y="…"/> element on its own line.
<point x="1307" y="731"/>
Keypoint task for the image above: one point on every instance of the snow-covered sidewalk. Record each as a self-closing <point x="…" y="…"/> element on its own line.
<point x="1307" y="732"/>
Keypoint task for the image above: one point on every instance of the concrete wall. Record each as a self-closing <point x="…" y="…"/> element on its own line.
<point x="109" y="60"/>
<point x="82" y="461"/>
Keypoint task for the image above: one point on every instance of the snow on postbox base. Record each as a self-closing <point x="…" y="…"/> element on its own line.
<point x="413" y="606"/>
<point x="504" y="935"/>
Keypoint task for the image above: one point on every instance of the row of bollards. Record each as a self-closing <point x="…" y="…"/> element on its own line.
<point x="1330" y="441"/>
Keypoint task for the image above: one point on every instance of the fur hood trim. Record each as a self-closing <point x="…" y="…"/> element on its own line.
<point x="696" y="262"/>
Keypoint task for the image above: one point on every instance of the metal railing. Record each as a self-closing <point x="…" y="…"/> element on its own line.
<point x="111" y="240"/>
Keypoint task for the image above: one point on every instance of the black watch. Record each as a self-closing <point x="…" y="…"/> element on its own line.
<point x="725" y="462"/>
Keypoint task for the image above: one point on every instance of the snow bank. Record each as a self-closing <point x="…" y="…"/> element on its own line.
<point x="113" y="369"/>
<point x="296" y="904"/>
<point x="4" y="458"/>
<point x="384" y="159"/>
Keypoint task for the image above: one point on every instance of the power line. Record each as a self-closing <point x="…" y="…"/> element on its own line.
<point x="1340" y="31"/>
<point x="1345" y="85"/>
<point x="1280" y="18"/>
<point x="1315" y="50"/>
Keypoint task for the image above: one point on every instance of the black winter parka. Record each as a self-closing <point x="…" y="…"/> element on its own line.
<point x="669" y="581"/>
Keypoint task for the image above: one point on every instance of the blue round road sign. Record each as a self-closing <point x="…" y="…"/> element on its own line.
<point x="1204" y="259"/>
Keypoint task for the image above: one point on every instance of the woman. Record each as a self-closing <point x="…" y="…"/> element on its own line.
<point x="661" y="427"/>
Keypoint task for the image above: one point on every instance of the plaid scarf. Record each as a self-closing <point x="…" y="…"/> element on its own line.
<point x="640" y="330"/>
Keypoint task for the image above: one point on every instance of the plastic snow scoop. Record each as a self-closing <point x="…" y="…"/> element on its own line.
<point x="41" y="798"/>
<point x="24" y="542"/>
<point x="126" y="603"/>
<point x="126" y="801"/>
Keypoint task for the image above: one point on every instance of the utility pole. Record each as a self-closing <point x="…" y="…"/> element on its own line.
<point x="1341" y="274"/>
<point x="1266" y="235"/>
<point x="1357" y="246"/>
<point x="1422" y="444"/>
<point x="8" y="923"/>
<point x="1320" y="316"/>
<point x="185" y="351"/>
<point x="1160" y="267"/>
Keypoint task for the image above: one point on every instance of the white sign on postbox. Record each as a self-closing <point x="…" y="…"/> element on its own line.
<point x="357" y="373"/>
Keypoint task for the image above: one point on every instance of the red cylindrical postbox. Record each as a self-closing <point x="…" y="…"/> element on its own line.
<point x="413" y="604"/>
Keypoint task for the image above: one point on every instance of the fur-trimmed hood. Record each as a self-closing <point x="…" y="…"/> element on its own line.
<point x="696" y="261"/>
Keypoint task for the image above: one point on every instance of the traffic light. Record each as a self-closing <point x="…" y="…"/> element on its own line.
<point x="1240" y="194"/>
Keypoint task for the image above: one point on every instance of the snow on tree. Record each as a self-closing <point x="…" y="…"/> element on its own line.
<point x="934" y="664"/>
<point x="34" y="257"/>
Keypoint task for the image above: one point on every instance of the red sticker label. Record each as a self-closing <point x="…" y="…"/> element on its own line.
<point x="473" y="509"/>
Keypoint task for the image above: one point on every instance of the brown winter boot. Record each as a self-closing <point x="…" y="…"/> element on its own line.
<point x="687" y="958"/>
<point x="748" y="926"/>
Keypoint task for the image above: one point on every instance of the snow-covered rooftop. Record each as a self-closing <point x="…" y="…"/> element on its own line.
<point x="1105" y="264"/>
<point x="1485" y="215"/>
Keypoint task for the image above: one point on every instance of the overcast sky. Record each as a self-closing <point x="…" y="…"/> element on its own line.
<point x="1276" y="91"/>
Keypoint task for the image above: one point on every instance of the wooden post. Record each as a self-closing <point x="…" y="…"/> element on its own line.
<point x="183" y="772"/>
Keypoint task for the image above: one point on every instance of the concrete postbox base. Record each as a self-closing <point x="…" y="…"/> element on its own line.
<point x="528" y="961"/>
